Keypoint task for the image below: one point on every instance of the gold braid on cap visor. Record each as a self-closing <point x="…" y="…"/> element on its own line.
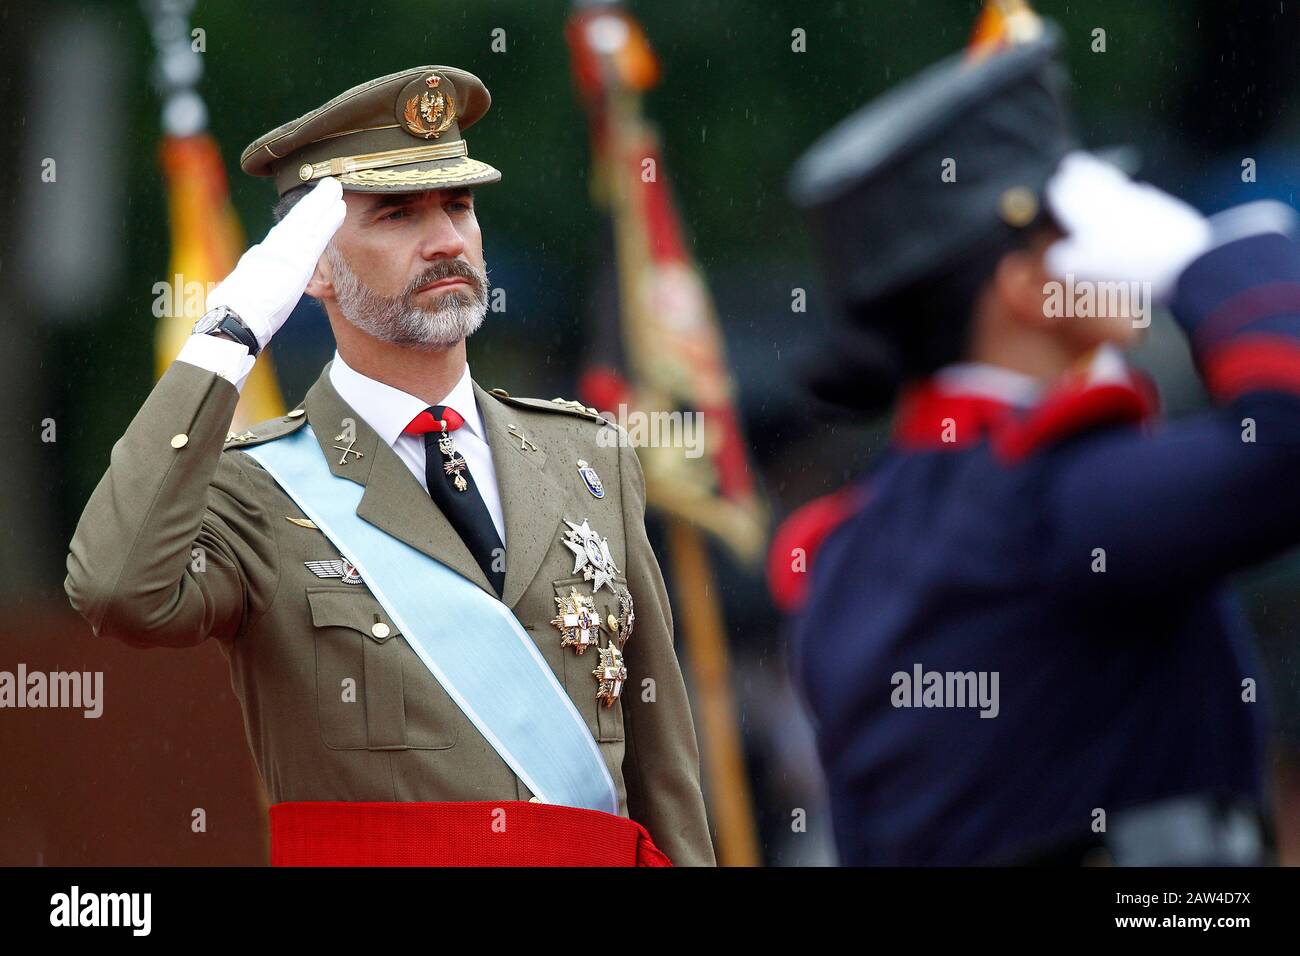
<point x="342" y="165"/>
<point x="467" y="172"/>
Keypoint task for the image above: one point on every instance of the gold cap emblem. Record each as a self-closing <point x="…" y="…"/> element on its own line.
<point x="431" y="113"/>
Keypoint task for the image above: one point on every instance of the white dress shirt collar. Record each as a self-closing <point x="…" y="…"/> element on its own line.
<point x="1105" y="366"/>
<point x="388" y="410"/>
<point x="988" y="381"/>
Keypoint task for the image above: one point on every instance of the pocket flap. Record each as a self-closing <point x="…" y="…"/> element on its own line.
<point x="357" y="609"/>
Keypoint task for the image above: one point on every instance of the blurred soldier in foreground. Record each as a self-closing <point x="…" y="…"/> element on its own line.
<point x="1014" y="639"/>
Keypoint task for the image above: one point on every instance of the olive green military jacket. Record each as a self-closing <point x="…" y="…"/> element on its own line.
<point x="187" y="538"/>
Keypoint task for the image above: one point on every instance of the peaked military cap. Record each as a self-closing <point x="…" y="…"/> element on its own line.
<point x="883" y="214"/>
<point x="398" y="133"/>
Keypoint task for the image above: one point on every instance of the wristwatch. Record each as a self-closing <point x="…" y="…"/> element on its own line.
<point x="225" y="319"/>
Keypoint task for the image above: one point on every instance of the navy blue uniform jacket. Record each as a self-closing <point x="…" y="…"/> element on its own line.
<point x="976" y="545"/>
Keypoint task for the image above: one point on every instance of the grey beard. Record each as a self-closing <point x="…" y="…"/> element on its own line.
<point x="399" y="320"/>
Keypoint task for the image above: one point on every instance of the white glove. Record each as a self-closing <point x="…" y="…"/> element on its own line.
<point x="270" y="277"/>
<point x="1118" y="230"/>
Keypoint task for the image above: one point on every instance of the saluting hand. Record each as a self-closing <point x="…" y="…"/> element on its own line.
<point x="1118" y="230"/>
<point x="270" y="277"/>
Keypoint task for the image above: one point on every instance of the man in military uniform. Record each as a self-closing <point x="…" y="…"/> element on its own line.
<point x="1015" y="638"/>
<point x="429" y="594"/>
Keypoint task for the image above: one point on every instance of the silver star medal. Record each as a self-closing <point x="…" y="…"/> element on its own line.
<point x="591" y="555"/>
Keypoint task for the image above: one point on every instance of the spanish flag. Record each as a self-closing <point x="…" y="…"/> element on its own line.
<point x="207" y="241"/>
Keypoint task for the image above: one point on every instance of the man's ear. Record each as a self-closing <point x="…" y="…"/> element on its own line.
<point x="1019" y="284"/>
<point x="321" y="282"/>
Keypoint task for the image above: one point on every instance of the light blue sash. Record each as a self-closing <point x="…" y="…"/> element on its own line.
<point x="469" y="641"/>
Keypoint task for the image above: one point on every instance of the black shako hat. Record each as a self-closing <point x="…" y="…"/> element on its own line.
<point x="919" y="181"/>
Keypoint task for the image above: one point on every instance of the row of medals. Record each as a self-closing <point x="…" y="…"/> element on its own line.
<point x="580" y="628"/>
<point x="578" y="620"/>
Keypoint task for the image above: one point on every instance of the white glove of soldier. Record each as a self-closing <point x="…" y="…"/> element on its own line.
<point x="270" y="277"/>
<point x="1118" y="230"/>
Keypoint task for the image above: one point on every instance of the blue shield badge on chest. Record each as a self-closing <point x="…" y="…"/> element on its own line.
<point x="592" y="480"/>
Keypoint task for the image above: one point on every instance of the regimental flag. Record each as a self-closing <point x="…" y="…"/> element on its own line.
<point x="657" y="350"/>
<point x="207" y="241"/>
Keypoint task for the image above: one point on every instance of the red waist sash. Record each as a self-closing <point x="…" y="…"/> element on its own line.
<point x="487" y="833"/>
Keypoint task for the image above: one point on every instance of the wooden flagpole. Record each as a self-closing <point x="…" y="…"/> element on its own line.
<point x="707" y="663"/>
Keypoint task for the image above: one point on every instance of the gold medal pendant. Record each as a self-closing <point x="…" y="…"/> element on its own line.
<point x="578" y="621"/>
<point x="621" y="626"/>
<point x="455" y="463"/>
<point x="610" y="673"/>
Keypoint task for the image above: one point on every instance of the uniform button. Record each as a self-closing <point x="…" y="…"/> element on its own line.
<point x="1018" y="206"/>
<point x="380" y="629"/>
<point x="179" y="441"/>
<point x="297" y="413"/>
<point x="534" y="800"/>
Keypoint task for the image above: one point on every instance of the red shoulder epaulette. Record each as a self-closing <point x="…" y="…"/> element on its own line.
<point x="789" y="560"/>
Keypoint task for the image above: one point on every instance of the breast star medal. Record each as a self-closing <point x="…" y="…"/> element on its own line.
<point x="455" y="463"/>
<point x="611" y="673"/>
<point x="591" y="555"/>
<point x="578" y="621"/>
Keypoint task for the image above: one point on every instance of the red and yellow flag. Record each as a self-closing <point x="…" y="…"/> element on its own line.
<point x="207" y="241"/>
<point x="659" y="356"/>
<point x="658" y="348"/>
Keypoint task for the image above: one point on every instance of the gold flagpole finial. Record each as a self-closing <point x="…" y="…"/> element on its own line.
<point x="1003" y="23"/>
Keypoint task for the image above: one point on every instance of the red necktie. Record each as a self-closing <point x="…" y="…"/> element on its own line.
<point x="425" y="421"/>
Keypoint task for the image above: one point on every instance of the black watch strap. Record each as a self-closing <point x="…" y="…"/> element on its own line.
<point x="231" y="325"/>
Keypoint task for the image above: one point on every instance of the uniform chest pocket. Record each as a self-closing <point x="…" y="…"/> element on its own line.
<point x="605" y="723"/>
<point x="372" y="691"/>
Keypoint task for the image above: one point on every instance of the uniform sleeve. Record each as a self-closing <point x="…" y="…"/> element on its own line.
<point x="171" y="548"/>
<point x="661" y="765"/>
<point x="1213" y="493"/>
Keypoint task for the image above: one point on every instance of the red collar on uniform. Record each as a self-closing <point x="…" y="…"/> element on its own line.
<point x="929" y="413"/>
<point x="933" y="418"/>
<point x="930" y="416"/>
